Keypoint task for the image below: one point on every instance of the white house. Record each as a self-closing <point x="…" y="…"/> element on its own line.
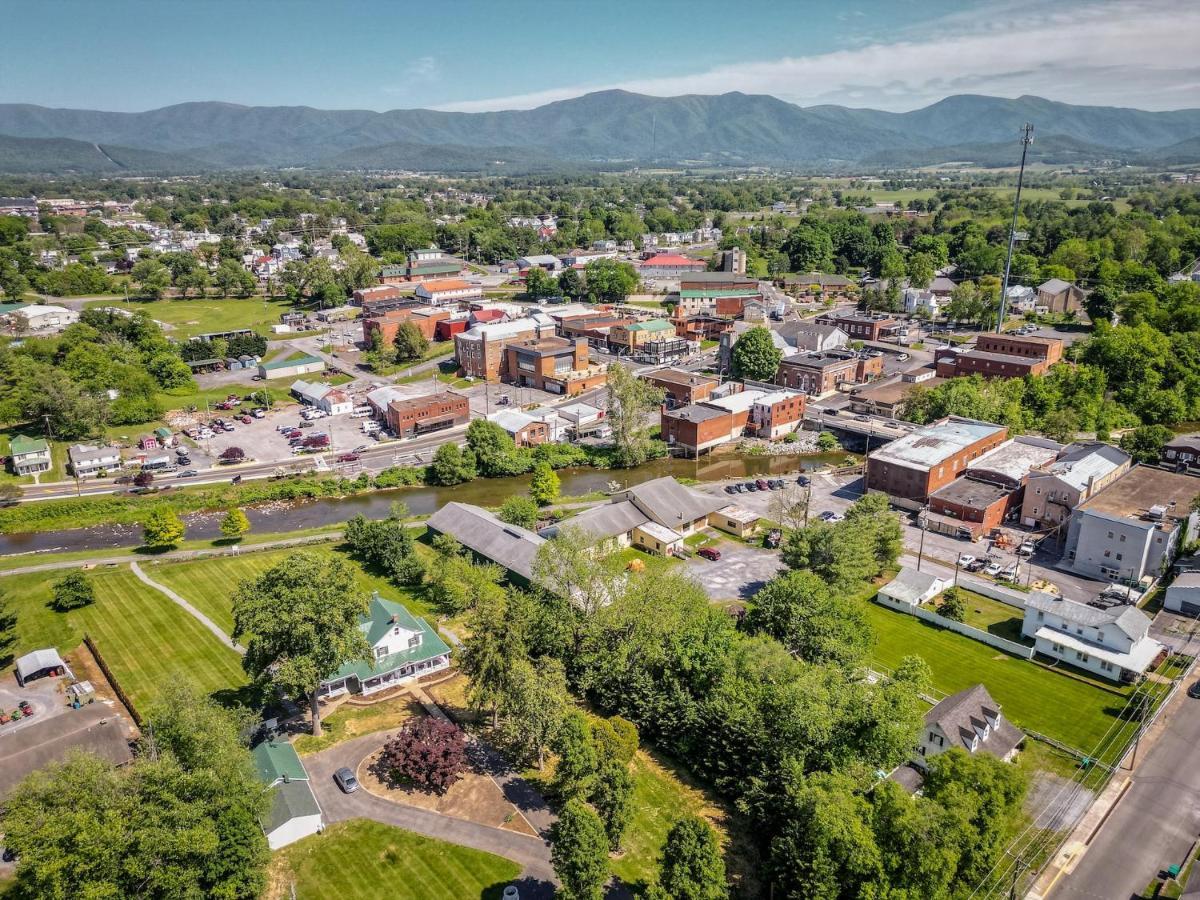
<point x="88" y="460"/>
<point x="403" y="647"/>
<point x="1113" y="643"/>
<point x="911" y="588"/>
<point x="971" y="721"/>
<point x="294" y="812"/>
<point x="324" y="397"/>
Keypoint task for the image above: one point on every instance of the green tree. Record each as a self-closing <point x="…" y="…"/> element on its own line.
<point x="921" y="270"/>
<point x="612" y="798"/>
<point x="534" y="706"/>
<point x="575" y="775"/>
<point x="451" y="465"/>
<point x="544" y="486"/>
<point x="755" y="355"/>
<point x="519" y="510"/>
<point x="810" y="249"/>
<point x="495" y="452"/>
<point x="691" y="867"/>
<point x="630" y="401"/>
<point x="72" y="591"/>
<point x="952" y="606"/>
<point x="231" y="278"/>
<point x="539" y="284"/>
<point x="827" y="441"/>
<point x="8" y="627"/>
<point x="196" y="280"/>
<point x="570" y="284"/>
<point x="152" y="278"/>
<point x="488" y="653"/>
<point x="1145" y="444"/>
<point x="162" y="529"/>
<point x="299" y="620"/>
<point x="235" y="524"/>
<point x="579" y="852"/>
<point x="610" y="281"/>
<point x="819" y="626"/>
<point x="410" y="344"/>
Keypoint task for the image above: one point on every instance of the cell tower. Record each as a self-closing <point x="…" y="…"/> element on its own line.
<point x="1026" y="140"/>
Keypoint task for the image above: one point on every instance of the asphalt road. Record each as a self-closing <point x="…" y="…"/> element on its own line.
<point x="1154" y="824"/>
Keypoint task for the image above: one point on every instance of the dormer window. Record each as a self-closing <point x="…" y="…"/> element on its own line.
<point x="381" y="652"/>
<point x="396" y="630"/>
<point x="414" y="641"/>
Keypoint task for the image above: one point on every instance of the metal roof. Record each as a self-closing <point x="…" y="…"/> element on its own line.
<point x="912" y="586"/>
<point x="1080" y="463"/>
<point x="1129" y="619"/>
<point x="739" y="402"/>
<point x="936" y="442"/>
<point x="1016" y="457"/>
<point x="509" y="546"/>
<point x="277" y="760"/>
<point x="609" y="520"/>
<point x="668" y="502"/>
<point x="290" y="800"/>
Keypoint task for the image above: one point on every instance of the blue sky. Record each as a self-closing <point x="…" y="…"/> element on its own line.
<point x="494" y="54"/>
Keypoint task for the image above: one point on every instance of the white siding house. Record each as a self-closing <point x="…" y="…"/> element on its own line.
<point x="1113" y="643"/>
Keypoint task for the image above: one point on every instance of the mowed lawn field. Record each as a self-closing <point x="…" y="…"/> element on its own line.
<point x="211" y="314"/>
<point x="146" y="639"/>
<point x="1075" y="712"/>
<point x="209" y="584"/>
<point x="361" y="860"/>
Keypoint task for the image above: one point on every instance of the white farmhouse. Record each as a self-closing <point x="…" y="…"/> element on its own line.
<point x="971" y="721"/>
<point x="1112" y="643"/>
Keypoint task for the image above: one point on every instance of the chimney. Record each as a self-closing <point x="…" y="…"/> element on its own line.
<point x="394" y="619"/>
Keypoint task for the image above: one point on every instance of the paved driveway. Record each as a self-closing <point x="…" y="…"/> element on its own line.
<point x="738" y="575"/>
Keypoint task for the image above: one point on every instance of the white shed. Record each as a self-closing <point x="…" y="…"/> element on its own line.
<point x="294" y="814"/>
<point x="1183" y="596"/>
<point x="911" y="588"/>
<point x="40" y="662"/>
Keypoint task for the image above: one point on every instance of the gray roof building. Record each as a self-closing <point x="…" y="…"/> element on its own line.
<point x="669" y="503"/>
<point x="971" y="720"/>
<point x="509" y="546"/>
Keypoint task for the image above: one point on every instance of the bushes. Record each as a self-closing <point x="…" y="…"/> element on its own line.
<point x="72" y="591"/>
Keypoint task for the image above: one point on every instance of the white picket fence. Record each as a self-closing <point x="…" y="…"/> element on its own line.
<point x="962" y="628"/>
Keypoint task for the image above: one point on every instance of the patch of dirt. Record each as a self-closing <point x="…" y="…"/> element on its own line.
<point x="83" y="664"/>
<point x="1055" y="803"/>
<point x="474" y="797"/>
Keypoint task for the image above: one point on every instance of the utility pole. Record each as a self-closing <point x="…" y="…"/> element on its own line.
<point x="924" y="528"/>
<point x="1026" y="140"/>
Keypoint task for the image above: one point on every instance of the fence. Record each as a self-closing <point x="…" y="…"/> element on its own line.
<point x="994" y="591"/>
<point x="961" y="628"/>
<point x="112" y="680"/>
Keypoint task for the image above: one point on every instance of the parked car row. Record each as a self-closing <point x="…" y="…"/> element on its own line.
<point x="760" y="484"/>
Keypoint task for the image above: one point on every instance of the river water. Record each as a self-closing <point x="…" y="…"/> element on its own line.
<point x="419" y="501"/>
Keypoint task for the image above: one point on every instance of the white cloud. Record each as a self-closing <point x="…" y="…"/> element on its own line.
<point x="423" y="68"/>
<point x="1120" y="52"/>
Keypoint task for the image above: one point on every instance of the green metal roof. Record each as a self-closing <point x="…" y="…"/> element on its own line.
<point x="375" y="625"/>
<point x="652" y="325"/>
<point x="303" y="360"/>
<point x="276" y="760"/>
<point x="162" y="432"/>
<point x="392" y="270"/>
<point x="718" y="292"/>
<point x="20" y="445"/>
<point x="12" y="306"/>
<point x="422" y="267"/>
<point x="290" y="800"/>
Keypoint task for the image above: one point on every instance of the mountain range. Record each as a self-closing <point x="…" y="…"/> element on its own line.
<point x="604" y="129"/>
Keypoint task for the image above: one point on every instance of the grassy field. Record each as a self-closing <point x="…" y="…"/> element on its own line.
<point x="992" y="616"/>
<point x="146" y="639"/>
<point x="1034" y="697"/>
<point x="352" y="721"/>
<point x="192" y="317"/>
<point x="360" y="860"/>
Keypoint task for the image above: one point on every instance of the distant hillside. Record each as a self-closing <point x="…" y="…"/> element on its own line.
<point x="1054" y="149"/>
<point x="58" y="156"/>
<point x="1184" y="153"/>
<point x="608" y="127"/>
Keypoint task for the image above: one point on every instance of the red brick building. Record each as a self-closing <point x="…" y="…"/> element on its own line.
<point x="682" y="388"/>
<point x="708" y="424"/>
<point x="379" y="292"/>
<point x="775" y="414"/>
<point x="1030" y="346"/>
<point x="1001" y="356"/>
<point x="480" y="349"/>
<point x="388" y="323"/>
<point x="553" y="364"/>
<point x="432" y="412"/>
<point x="820" y="373"/>
<point x="914" y="466"/>
<point x="862" y="326"/>
<point x="968" y="508"/>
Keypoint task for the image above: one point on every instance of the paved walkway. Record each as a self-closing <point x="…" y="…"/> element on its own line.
<point x="188" y="608"/>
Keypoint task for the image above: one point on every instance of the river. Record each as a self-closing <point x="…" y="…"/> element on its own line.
<point x="273" y="518"/>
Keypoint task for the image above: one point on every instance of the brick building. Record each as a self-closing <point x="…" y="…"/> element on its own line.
<point x="379" y="292"/>
<point x="388" y="324"/>
<point x="628" y="339"/>
<point x="422" y="265"/>
<point x="1030" y="346"/>
<point x="412" y="416"/>
<point x="702" y="426"/>
<point x="553" y="364"/>
<point x="820" y="373"/>
<point x="863" y="326"/>
<point x="594" y="327"/>
<point x="914" y="466"/>
<point x="681" y="388"/>
<point x="480" y="350"/>
<point x="1001" y="356"/>
<point x="775" y="414"/>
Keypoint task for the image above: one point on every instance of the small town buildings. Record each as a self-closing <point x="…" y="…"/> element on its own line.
<point x="1054" y="489"/>
<point x="702" y="426"/>
<point x="915" y="465"/>
<point x="1058" y="296"/>
<point x="29" y="456"/>
<point x="699" y="427"/>
<point x="480" y="349"/>
<point x="911" y="588"/>
<point x="969" y="720"/>
<point x="775" y="414"/>
<point x="379" y="292"/>
<point x="736" y="520"/>
<point x="325" y="397"/>
<point x="1133" y="528"/>
<point x="526" y="429"/>
<point x="579" y="420"/>
<point x="294" y="812"/>
<point x="819" y="287"/>
<point x="403" y="647"/>
<point x="539" y="261"/>
<point x="442" y="292"/>
<point x="822" y="373"/>
<point x="813" y="337"/>
<point x="509" y="546"/>
<point x="1001" y="356"/>
<point x="553" y="364"/>
<point x="670" y="265"/>
<point x="863" y="326"/>
<point x="628" y="339"/>
<point x="412" y="416"/>
<point x="1112" y="643"/>
<point x="422" y="265"/>
<point x="387" y="324"/>
<point x="291" y="366"/>
<point x="680" y="387"/>
<point x="1183" y="594"/>
<point x="86" y="459"/>
<point x="888" y="399"/>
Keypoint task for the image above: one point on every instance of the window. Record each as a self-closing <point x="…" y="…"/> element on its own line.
<point x="414" y="641"/>
<point x="1118" y="557"/>
<point x="1122" y="539"/>
<point x="1041" y="616"/>
<point x="1081" y="656"/>
<point x="381" y="652"/>
<point x="1110" y="534"/>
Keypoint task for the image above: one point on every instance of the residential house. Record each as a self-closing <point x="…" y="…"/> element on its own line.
<point x="1055" y="489"/>
<point x="412" y="416"/>
<point x="1182" y="452"/>
<point x="911" y="588"/>
<point x="402" y="647"/>
<point x="920" y="462"/>
<point x="1134" y="527"/>
<point x="294" y="812"/>
<point x="325" y="397"/>
<point x="87" y="459"/>
<point x="526" y="429"/>
<point x="509" y="546"/>
<point x="29" y="456"/>
<point x="1113" y="643"/>
<point x="1058" y="296"/>
<point x="971" y="721"/>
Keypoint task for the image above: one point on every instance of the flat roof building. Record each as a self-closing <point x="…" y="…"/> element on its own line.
<point x="915" y="465"/>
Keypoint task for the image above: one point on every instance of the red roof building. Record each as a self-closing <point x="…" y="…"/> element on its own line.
<point x="667" y="265"/>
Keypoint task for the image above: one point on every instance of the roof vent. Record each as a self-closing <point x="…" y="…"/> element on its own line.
<point x="1157" y="511"/>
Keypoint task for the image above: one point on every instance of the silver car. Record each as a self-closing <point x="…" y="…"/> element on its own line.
<point x="345" y="780"/>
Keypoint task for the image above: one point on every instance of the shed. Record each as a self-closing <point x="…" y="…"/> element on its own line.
<point x="294" y="814"/>
<point x="735" y="519"/>
<point x="1183" y="595"/>
<point x="911" y="588"/>
<point x="39" y="663"/>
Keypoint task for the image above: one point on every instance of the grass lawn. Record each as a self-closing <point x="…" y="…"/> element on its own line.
<point x="352" y="721"/>
<point x="58" y="454"/>
<point x="192" y="317"/>
<point x="1065" y="708"/>
<point x="146" y="639"/>
<point x="360" y="860"/>
<point x="993" y="616"/>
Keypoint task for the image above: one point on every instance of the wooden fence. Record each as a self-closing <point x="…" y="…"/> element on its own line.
<point x="112" y="680"/>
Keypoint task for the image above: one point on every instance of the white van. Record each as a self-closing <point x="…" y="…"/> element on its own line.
<point x="371" y="427"/>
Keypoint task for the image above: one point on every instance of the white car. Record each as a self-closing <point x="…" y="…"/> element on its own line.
<point x="966" y="559"/>
<point x="994" y="569"/>
<point x="830" y="516"/>
<point x="1026" y="549"/>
